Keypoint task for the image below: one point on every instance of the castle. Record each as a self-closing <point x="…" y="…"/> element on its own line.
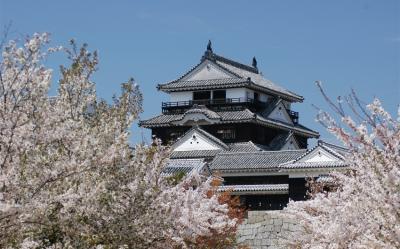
<point x="225" y="118"/>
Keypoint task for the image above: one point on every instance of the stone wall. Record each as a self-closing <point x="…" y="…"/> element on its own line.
<point x="265" y="229"/>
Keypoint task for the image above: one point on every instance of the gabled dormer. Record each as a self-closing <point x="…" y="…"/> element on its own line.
<point x="321" y="159"/>
<point x="207" y="70"/>
<point x="280" y="113"/>
<point x="198" y="139"/>
<point x="277" y="109"/>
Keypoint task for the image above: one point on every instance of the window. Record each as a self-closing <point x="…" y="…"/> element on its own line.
<point x="256" y="96"/>
<point x="227" y="133"/>
<point x="203" y="95"/>
<point x="219" y="94"/>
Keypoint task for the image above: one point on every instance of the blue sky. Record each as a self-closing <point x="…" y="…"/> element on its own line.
<point x="345" y="44"/>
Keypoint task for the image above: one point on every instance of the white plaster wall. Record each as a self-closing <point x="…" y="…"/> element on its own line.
<point x="242" y="93"/>
<point x="236" y="93"/>
<point x="280" y="114"/>
<point x="249" y="94"/>
<point x="197" y="143"/>
<point x="207" y="71"/>
<point x="181" y="96"/>
<point x="319" y="156"/>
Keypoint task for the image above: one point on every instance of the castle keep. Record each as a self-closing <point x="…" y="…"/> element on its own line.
<point x="225" y="118"/>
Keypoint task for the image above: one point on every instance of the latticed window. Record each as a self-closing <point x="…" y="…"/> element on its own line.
<point x="227" y="133"/>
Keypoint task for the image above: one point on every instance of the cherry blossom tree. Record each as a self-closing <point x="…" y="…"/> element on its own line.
<point x="364" y="211"/>
<point x="68" y="176"/>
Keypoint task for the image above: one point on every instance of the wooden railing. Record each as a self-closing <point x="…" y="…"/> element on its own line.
<point x="180" y="106"/>
<point x="190" y="103"/>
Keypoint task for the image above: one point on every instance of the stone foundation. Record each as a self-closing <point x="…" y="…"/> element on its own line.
<point x="265" y="229"/>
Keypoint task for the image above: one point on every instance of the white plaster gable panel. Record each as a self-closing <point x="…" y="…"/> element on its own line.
<point x="280" y="113"/>
<point x="207" y="71"/>
<point x="291" y="144"/>
<point x="195" y="141"/>
<point x="319" y="155"/>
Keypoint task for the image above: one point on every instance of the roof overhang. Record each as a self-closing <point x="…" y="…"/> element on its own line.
<point x="261" y="189"/>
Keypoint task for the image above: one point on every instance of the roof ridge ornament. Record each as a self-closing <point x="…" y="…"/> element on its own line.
<point x="254" y="63"/>
<point x="208" y="54"/>
<point x="209" y="46"/>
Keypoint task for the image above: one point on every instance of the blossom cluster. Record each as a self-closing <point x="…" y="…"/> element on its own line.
<point x="68" y="175"/>
<point x="364" y="210"/>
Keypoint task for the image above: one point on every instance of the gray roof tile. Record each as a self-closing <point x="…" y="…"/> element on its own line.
<point x="185" y="166"/>
<point x="337" y="150"/>
<point x="258" y="161"/>
<point x="314" y="165"/>
<point x="244" y="115"/>
<point x="194" y="154"/>
<point x="255" y="188"/>
<point x="259" y="80"/>
<point x="204" y="84"/>
<point x="245" y="147"/>
<point x="245" y="76"/>
<point x="203" y="110"/>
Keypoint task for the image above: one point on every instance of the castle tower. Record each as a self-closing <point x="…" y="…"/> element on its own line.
<point x="225" y="116"/>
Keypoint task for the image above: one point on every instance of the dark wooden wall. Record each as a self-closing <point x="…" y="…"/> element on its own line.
<point x="264" y="202"/>
<point x="297" y="189"/>
<point x="242" y="180"/>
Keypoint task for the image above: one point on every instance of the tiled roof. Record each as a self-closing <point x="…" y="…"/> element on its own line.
<point x="259" y="80"/>
<point x="160" y="120"/>
<point x="338" y="151"/>
<point x="233" y="63"/>
<point x="166" y="119"/>
<point x="330" y="149"/>
<point x="194" y="154"/>
<point x="244" y="114"/>
<point x="191" y="85"/>
<point x="203" y="110"/>
<point x="243" y="75"/>
<point x="254" y="161"/>
<point x="245" y="147"/>
<point x="185" y="166"/>
<point x="314" y="165"/>
<point x="241" y="116"/>
<point x="255" y="188"/>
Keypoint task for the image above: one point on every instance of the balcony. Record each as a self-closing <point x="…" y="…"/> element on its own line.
<point x="214" y="104"/>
